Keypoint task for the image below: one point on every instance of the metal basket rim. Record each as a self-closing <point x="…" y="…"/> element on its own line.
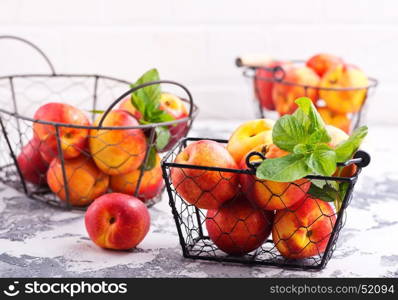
<point x="195" y="108"/>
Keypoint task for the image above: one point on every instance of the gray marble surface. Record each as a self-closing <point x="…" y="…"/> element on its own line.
<point x="38" y="240"/>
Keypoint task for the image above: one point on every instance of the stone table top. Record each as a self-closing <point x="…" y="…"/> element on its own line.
<point x="39" y="240"/>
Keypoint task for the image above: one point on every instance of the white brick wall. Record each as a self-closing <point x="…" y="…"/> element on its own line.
<point x="196" y="42"/>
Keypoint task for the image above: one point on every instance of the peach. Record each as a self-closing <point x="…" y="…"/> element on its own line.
<point x="337" y="135"/>
<point x="118" y="151"/>
<point x="150" y="186"/>
<point x="117" y="221"/>
<point x="128" y="106"/>
<point x="73" y="140"/>
<point x="344" y="76"/>
<point x="175" y="107"/>
<point x="264" y="82"/>
<point x="271" y="195"/>
<point x="304" y="229"/>
<point x="298" y="82"/>
<point x="238" y="227"/>
<point x="341" y="121"/>
<point x="249" y="135"/>
<point x="85" y="181"/>
<point x="203" y="188"/>
<point x="32" y="166"/>
<point x="323" y="62"/>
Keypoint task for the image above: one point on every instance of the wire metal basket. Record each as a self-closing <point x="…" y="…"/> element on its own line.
<point x="238" y="230"/>
<point x="264" y="79"/>
<point x="23" y="166"/>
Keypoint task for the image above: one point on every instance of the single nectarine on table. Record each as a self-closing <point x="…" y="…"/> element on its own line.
<point x="297" y="82"/>
<point x="344" y="76"/>
<point x="271" y="195"/>
<point x="264" y="82"/>
<point x="304" y="229"/>
<point x="32" y="166"/>
<point x="249" y="135"/>
<point x="73" y="140"/>
<point x="204" y="188"/>
<point x="150" y="186"/>
<point x="118" y="151"/>
<point x="238" y="227"/>
<point x="117" y="221"/>
<point x="85" y="181"/>
<point x="323" y="62"/>
<point x="338" y="120"/>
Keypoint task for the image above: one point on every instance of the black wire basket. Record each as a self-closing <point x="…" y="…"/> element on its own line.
<point x="76" y="179"/>
<point x="304" y="234"/>
<point x="264" y="79"/>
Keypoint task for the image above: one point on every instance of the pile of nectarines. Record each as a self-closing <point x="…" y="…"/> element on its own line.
<point x="337" y="89"/>
<point x="80" y="161"/>
<point x="84" y="163"/>
<point x="242" y="210"/>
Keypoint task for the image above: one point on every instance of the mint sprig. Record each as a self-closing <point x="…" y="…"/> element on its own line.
<point x="147" y="101"/>
<point x="304" y="135"/>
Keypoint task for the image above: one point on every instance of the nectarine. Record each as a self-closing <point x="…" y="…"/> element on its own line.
<point x="344" y="76"/>
<point x="238" y="227"/>
<point x="321" y="63"/>
<point x="32" y="166"/>
<point x="341" y="121"/>
<point x="298" y="82"/>
<point x="73" y="140"/>
<point x="150" y="186"/>
<point x="271" y="195"/>
<point x="117" y="221"/>
<point x="304" y="229"/>
<point x="85" y="181"/>
<point x="118" y="151"/>
<point x="203" y="188"/>
<point x="249" y="135"/>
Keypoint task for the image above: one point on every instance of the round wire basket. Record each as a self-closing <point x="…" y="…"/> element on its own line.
<point x="23" y="168"/>
<point x="264" y="79"/>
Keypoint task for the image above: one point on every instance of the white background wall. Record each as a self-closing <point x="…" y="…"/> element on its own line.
<point x="196" y="42"/>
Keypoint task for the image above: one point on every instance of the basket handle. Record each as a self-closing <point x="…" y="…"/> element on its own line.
<point x="132" y="90"/>
<point x="16" y="38"/>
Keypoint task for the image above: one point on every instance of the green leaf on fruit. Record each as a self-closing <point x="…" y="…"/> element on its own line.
<point x="346" y="149"/>
<point x="288" y="132"/>
<point x="283" y="169"/>
<point x="326" y="193"/>
<point x="151" y="159"/>
<point x="96" y="111"/>
<point x="322" y="160"/>
<point x="162" y="137"/>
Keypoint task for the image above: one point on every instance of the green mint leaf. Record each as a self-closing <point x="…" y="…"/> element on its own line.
<point x="96" y="111"/>
<point x="283" y="169"/>
<point x="288" y="132"/>
<point x="162" y="137"/>
<point x="151" y="160"/>
<point x="303" y="149"/>
<point x="322" y="160"/>
<point x="319" y="136"/>
<point x="326" y="193"/>
<point x="147" y="98"/>
<point x="346" y="149"/>
<point x="316" y="121"/>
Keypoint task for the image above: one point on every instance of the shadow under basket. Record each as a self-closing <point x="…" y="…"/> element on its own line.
<point x="253" y="219"/>
<point x="88" y="93"/>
